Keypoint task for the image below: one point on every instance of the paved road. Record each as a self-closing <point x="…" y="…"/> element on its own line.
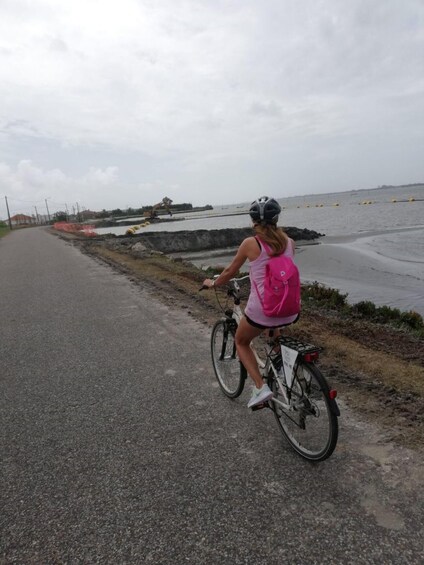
<point x="117" y="446"/>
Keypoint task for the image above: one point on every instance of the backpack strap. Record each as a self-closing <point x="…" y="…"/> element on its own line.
<point x="290" y="245"/>
<point x="258" y="241"/>
<point x="263" y="245"/>
<point x="257" y="292"/>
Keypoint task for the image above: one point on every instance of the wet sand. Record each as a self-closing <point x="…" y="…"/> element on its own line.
<point x="352" y="269"/>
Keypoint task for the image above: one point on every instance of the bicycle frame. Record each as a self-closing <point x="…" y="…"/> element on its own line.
<point x="264" y="365"/>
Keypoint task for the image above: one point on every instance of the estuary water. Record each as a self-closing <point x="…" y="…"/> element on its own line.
<point x="373" y="247"/>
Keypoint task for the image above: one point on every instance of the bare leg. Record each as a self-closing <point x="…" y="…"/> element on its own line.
<point x="244" y="335"/>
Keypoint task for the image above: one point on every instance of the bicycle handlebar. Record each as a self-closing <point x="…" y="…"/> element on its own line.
<point x="243" y="278"/>
<point x="233" y="280"/>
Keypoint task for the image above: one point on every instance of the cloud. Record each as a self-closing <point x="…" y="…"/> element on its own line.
<point x="57" y="44"/>
<point x="28" y="185"/>
<point x="201" y="88"/>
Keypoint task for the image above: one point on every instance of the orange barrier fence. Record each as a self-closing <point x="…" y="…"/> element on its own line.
<point x="85" y="229"/>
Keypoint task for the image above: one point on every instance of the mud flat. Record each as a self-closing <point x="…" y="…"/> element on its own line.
<point x="359" y="269"/>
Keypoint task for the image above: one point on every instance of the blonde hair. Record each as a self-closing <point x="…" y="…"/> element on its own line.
<point x="273" y="236"/>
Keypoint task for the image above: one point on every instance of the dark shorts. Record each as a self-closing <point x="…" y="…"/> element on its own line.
<point x="261" y="327"/>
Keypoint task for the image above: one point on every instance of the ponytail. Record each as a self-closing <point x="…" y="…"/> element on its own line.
<point x="275" y="237"/>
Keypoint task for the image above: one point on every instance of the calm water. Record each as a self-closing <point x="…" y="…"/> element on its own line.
<point x="316" y="212"/>
<point x="372" y="251"/>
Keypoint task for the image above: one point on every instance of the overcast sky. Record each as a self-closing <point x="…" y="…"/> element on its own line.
<point x="119" y="103"/>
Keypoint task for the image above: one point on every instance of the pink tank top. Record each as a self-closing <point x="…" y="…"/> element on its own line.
<point x="257" y="274"/>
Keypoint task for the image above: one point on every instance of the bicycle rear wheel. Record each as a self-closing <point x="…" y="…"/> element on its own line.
<point x="229" y="372"/>
<point x="310" y="425"/>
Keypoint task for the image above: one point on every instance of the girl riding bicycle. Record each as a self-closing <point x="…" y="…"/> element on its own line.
<point x="268" y="240"/>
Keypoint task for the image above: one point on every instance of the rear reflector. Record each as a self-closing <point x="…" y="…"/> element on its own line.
<point x="309" y="357"/>
<point x="333" y="394"/>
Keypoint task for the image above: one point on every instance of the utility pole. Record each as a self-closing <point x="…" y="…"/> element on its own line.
<point x="67" y="212"/>
<point x="78" y="216"/>
<point x="37" y="216"/>
<point x="8" y="213"/>
<point x="47" y="208"/>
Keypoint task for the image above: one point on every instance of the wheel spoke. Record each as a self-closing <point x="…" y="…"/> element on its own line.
<point x="229" y="372"/>
<point x="309" y="424"/>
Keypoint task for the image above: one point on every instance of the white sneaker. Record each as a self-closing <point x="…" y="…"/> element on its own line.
<point x="260" y="395"/>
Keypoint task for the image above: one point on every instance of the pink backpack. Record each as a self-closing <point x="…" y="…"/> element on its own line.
<point x="281" y="296"/>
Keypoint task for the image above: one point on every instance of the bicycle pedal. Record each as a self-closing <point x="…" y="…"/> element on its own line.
<point x="260" y="406"/>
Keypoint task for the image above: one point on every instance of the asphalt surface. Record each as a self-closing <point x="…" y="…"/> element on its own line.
<point x="118" y="447"/>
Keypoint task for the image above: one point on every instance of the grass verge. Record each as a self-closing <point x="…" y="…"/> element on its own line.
<point x="4" y="229"/>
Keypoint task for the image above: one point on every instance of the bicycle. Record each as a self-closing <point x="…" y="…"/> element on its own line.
<point x="303" y="404"/>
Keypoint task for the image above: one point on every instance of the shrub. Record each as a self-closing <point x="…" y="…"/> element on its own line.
<point x="330" y="297"/>
<point x="387" y="314"/>
<point x="318" y="294"/>
<point x="365" y="308"/>
<point x="412" y="319"/>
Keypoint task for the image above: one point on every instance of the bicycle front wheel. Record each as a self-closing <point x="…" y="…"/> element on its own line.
<point x="305" y="414"/>
<point x="229" y="372"/>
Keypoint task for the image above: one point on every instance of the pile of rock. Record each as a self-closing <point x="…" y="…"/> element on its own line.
<point x="144" y="244"/>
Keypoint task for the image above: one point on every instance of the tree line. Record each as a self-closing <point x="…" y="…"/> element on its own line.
<point x="62" y="216"/>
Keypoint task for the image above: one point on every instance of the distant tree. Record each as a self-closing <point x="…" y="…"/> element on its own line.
<point x="103" y="214"/>
<point x="182" y="206"/>
<point x="60" y="217"/>
<point x="117" y="212"/>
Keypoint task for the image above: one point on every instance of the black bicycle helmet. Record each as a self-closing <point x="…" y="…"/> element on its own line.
<point x="265" y="210"/>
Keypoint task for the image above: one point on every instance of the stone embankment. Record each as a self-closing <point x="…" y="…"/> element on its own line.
<point x="189" y="241"/>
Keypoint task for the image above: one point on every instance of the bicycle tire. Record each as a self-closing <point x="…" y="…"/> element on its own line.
<point x="311" y="426"/>
<point x="229" y="371"/>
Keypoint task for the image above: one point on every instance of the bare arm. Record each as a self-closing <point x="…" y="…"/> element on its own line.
<point x="247" y="250"/>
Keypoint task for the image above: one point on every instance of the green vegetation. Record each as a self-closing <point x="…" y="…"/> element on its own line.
<point x="4" y="229"/>
<point x="319" y="295"/>
<point x="60" y="217"/>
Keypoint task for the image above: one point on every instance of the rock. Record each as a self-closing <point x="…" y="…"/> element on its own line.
<point x="160" y="243"/>
<point x="201" y="240"/>
<point x="139" y="250"/>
